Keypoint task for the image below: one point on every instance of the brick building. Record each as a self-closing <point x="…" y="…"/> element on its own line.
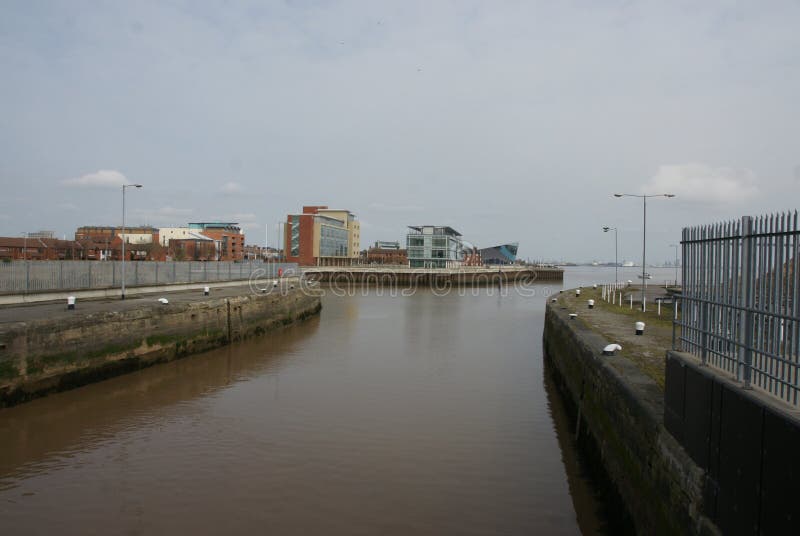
<point x="386" y="253"/>
<point x="320" y="236"/>
<point x="228" y="235"/>
<point x="36" y="249"/>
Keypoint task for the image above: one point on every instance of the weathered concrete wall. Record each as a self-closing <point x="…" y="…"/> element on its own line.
<point x="620" y="413"/>
<point x="52" y="355"/>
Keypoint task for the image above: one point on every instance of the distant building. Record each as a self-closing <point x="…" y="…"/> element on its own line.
<point x="386" y="253"/>
<point x="320" y="236"/>
<point x="193" y="248"/>
<point x="502" y="254"/>
<point x="432" y="246"/>
<point x="42" y="234"/>
<point x="106" y="234"/>
<point x="105" y="242"/>
<point x="39" y="249"/>
<point x="229" y="235"/>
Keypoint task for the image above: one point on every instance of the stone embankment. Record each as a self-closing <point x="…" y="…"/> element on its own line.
<point x="43" y="352"/>
<point x="618" y="404"/>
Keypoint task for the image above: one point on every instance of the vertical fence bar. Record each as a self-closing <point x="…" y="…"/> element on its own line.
<point x="748" y="261"/>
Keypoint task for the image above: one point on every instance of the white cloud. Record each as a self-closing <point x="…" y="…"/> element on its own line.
<point x="104" y="178"/>
<point x="231" y="188"/>
<point x="703" y="183"/>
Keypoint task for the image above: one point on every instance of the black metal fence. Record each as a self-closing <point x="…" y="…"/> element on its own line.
<point x="36" y="276"/>
<point x="740" y="310"/>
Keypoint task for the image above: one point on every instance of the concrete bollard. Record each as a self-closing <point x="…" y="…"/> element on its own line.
<point x="577" y="292"/>
<point x="71" y="302"/>
<point x="275" y="283"/>
<point x="611" y="349"/>
<point x="595" y="286"/>
<point x="591" y="304"/>
<point x="553" y="300"/>
<point x="640" y="328"/>
<point x="573" y="316"/>
<point x="163" y="301"/>
<point x="206" y="290"/>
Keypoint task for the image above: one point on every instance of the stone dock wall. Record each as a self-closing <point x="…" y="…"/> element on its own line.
<point x="45" y="356"/>
<point x="619" y="412"/>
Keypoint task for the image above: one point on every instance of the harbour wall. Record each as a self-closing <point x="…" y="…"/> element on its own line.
<point x="619" y="421"/>
<point x="48" y="355"/>
<point x="437" y="278"/>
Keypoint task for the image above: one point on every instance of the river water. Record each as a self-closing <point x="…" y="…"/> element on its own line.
<point x="420" y="414"/>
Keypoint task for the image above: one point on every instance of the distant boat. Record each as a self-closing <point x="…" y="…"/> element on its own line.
<point x="627" y="264"/>
<point x="646" y="276"/>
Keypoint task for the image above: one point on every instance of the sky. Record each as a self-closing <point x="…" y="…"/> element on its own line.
<point x="509" y="121"/>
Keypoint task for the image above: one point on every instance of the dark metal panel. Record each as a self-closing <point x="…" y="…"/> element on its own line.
<point x="674" y="397"/>
<point x="697" y="416"/>
<point x="780" y="512"/>
<point x="711" y="490"/>
<point x="739" y="462"/>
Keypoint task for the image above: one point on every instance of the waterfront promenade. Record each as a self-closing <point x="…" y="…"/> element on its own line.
<point x="688" y="449"/>
<point x="54" y="310"/>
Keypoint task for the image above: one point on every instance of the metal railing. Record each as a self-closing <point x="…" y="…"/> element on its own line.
<point x="38" y="276"/>
<point x="740" y="310"/>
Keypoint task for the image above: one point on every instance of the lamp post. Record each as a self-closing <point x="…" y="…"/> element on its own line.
<point x="644" y="238"/>
<point x="616" y="250"/>
<point x="676" y="262"/>
<point x="124" y="186"/>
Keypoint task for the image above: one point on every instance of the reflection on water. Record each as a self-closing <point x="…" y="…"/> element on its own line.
<point x="416" y="414"/>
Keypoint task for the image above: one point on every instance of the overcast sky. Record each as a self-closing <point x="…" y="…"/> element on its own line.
<point x="507" y="121"/>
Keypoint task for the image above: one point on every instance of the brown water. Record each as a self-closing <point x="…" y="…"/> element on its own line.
<point x="422" y="414"/>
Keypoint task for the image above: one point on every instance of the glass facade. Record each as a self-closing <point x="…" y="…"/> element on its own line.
<point x="433" y="247"/>
<point x="332" y="241"/>
<point x="295" y="240"/>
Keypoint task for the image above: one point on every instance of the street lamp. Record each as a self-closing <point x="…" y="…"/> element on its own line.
<point x="676" y="262"/>
<point x="124" y="186"/>
<point x="616" y="249"/>
<point x="644" y="237"/>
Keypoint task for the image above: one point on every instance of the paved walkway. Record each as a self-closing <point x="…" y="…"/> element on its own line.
<point x="617" y="324"/>
<point x="50" y="310"/>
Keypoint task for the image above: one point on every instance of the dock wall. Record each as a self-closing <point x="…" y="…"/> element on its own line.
<point x="44" y="356"/>
<point x="619" y="414"/>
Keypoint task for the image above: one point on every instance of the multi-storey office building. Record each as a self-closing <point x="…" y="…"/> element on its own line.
<point x="320" y="236"/>
<point x="431" y="246"/>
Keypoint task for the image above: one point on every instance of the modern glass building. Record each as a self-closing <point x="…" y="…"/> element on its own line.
<point x="432" y="246"/>
<point x="322" y="237"/>
<point x="502" y="254"/>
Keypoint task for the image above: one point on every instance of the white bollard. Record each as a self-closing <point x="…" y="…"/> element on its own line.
<point x="573" y="316"/>
<point x="611" y="349"/>
<point x="577" y="292"/>
<point x="631" y="300"/>
<point x="206" y="290"/>
<point x="71" y="302"/>
<point x="640" y="328"/>
<point x="591" y="304"/>
<point x="163" y="301"/>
